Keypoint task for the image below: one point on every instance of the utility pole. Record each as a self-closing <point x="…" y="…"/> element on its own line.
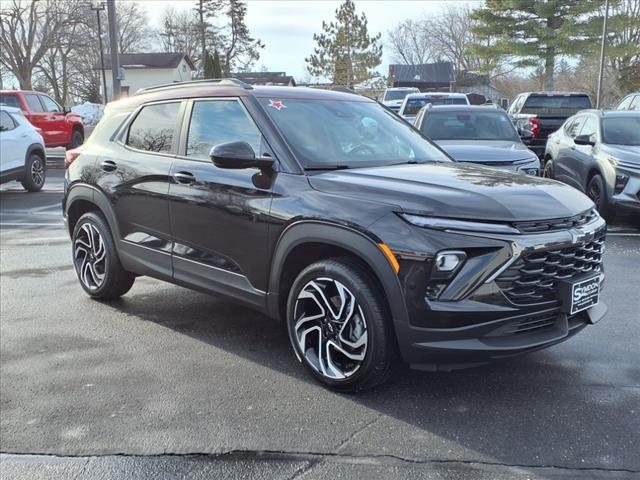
<point x="113" y="43"/>
<point x="99" y="7"/>
<point x="602" y="49"/>
<point x="203" y="42"/>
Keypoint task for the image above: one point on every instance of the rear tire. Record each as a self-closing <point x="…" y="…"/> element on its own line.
<point x="597" y="192"/>
<point x="96" y="261"/>
<point x="349" y="351"/>
<point x="35" y="173"/>
<point x="547" y="172"/>
<point x="77" y="139"/>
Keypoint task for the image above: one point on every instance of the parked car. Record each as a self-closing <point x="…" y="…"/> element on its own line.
<point x="22" y="154"/>
<point x="415" y="101"/>
<point x="327" y="211"/>
<point x="60" y="127"/>
<point x="598" y="152"/>
<point x="630" y="102"/>
<point x="482" y="135"/>
<point x="393" y="97"/>
<point x="542" y="113"/>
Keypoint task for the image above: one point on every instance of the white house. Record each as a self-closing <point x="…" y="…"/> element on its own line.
<point x="142" y="70"/>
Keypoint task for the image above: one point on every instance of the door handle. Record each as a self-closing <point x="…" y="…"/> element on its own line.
<point x="108" y="165"/>
<point x="185" y="178"/>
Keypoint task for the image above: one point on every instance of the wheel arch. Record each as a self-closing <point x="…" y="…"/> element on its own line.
<point x="318" y="236"/>
<point x="82" y="198"/>
<point x="38" y="150"/>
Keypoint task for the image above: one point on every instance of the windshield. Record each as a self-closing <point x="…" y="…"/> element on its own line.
<point x="414" y="105"/>
<point x="621" y="130"/>
<point x="558" y="105"/>
<point x="489" y="125"/>
<point x="347" y="134"/>
<point x="397" y="94"/>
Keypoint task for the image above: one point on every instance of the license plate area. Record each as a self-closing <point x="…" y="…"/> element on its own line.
<point x="579" y="294"/>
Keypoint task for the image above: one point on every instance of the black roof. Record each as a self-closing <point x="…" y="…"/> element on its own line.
<point x="435" y="73"/>
<point x="150" y="60"/>
<point x="265" y="78"/>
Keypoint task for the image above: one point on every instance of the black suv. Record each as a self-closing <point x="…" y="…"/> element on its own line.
<point x="328" y="211"/>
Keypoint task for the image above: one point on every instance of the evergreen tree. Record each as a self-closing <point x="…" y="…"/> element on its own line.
<point x="536" y="32"/>
<point x="216" y="65"/>
<point x="345" y="53"/>
<point x="208" y="66"/>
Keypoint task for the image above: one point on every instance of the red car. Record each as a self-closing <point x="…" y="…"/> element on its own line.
<point x="60" y="127"/>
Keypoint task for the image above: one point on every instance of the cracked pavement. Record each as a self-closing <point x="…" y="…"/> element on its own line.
<point x="170" y="383"/>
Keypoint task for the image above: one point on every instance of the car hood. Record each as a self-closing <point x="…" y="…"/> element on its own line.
<point x="457" y="190"/>
<point x="626" y="153"/>
<point x="485" y="150"/>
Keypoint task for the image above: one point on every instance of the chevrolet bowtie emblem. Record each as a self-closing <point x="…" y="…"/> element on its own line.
<point x="581" y="236"/>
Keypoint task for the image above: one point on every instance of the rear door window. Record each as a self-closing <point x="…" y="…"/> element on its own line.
<point x="34" y="102"/>
<point x="220" y="121"/>
<point x="153" y="129"/>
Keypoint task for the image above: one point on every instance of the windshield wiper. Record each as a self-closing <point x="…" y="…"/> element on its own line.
<point x="327" y="167"/>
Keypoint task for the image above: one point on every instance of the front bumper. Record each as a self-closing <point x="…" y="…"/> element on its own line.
<point x="474" y="319"/>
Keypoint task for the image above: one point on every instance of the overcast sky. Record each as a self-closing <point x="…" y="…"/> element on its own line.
<point x="286" y="27"/>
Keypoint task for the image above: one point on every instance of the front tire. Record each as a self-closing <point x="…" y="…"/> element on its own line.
<point x="96" y="260"/>
<point x="35" y="173"/>
<point x="597" y="192"/>
<point x="547" y="172"/>
<point x="339" y="325"/>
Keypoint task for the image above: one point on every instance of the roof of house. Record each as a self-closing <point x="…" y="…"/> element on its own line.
<point x="150" y="60"/>
<point x="441" y="72"/>
<point x="265" y="78"/>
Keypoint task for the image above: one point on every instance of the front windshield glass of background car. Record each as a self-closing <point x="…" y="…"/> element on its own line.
<point x="348" y="134"/>
<point x="621" y="130"/>
<point x="490" y="125"/>
<point x="396" y="94"/>
<point x="415" y="104"/>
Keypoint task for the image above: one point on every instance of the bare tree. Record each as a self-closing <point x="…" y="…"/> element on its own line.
<point x="28" y="29"/>
<point x="410" y="42"/>
<point x="179" y="32"/>
<point x="133" y="27"/>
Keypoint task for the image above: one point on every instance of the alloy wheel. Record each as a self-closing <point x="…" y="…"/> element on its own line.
<point x="89" y="255"/>
<point x="594" y="193"/>
<point x="330" y="328"/>
<point x="37" y="171"/>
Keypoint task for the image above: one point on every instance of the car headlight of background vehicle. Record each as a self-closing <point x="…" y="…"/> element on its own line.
<point x="621" y="178"/>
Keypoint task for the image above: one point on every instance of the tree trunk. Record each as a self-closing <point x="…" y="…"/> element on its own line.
<point x="24" y="78"/>
<point x="549" y="66"/>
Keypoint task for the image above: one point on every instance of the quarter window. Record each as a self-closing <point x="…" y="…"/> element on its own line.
<point x="34" y="103"/>
<point x="220" y="121"/>
<point x="6" y="122"/>
<point x="50" y="105"/>
<point x="153" y="128"/>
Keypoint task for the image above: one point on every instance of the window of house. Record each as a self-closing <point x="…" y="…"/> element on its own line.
<point x="220" y="121"/>
<point x="153" y="129"/>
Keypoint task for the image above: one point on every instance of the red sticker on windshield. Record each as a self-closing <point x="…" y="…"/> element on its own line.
<point x="277" y="104"/>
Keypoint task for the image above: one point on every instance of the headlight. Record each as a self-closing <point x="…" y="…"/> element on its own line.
<point x="451" y="224"/>
<point x="621" y="182"/>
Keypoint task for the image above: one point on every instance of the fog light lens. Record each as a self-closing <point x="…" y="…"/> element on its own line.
<point x="621" y="182"/>
<point x="449" y="261"/>
<point x="531" y="171"/>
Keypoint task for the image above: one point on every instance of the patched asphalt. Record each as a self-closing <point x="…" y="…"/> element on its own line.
<point x="169" y="380"/>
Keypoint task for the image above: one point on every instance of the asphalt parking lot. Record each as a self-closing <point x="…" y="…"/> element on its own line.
<point x="170" y="383"/>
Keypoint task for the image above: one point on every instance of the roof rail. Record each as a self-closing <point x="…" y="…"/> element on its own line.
<point x="226" y="82"/>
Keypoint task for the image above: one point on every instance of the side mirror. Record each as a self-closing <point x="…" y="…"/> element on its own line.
<point x="66" y="110"/>
<point x="238" y="155"/>
<point x="584" y="140"/>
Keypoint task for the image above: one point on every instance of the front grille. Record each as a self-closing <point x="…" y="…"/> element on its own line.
<point x="533" y="277"/>
<point x="556" y="223"/>
<point x="533" y="324"/>
<point x="496" y="164"/>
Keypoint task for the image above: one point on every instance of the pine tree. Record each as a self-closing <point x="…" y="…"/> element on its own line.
<point x="208" y="66"/>
<point x="345" y="53"/>
<point x="216" y="65"/>
<point x="535" y="32"/>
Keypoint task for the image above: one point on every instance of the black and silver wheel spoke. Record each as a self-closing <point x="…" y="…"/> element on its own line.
<point x="89" y="255"/>
<point x="330" y="328"/>
<point x="37" y="172"/>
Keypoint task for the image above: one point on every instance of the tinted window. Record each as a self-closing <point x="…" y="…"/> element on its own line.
<point x="34" y="103"/>
<point x="414" y="105"/>
<point x="560" y="104"/>
<point x="573" y="126"/>
<point x="635" y="104"/>
<point x="6" y="122"/>
<point x="10" y="101"/>
<point x="153" y="128"/>
<point x="397" y="94"/>
<point x="590" y="127"/>
<point x="330" y="133"/>
<point x="488" y="125"/>
<point x="621" y="130"/>
<point x="220" y="121"/>
<point x="50" y="105"/>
